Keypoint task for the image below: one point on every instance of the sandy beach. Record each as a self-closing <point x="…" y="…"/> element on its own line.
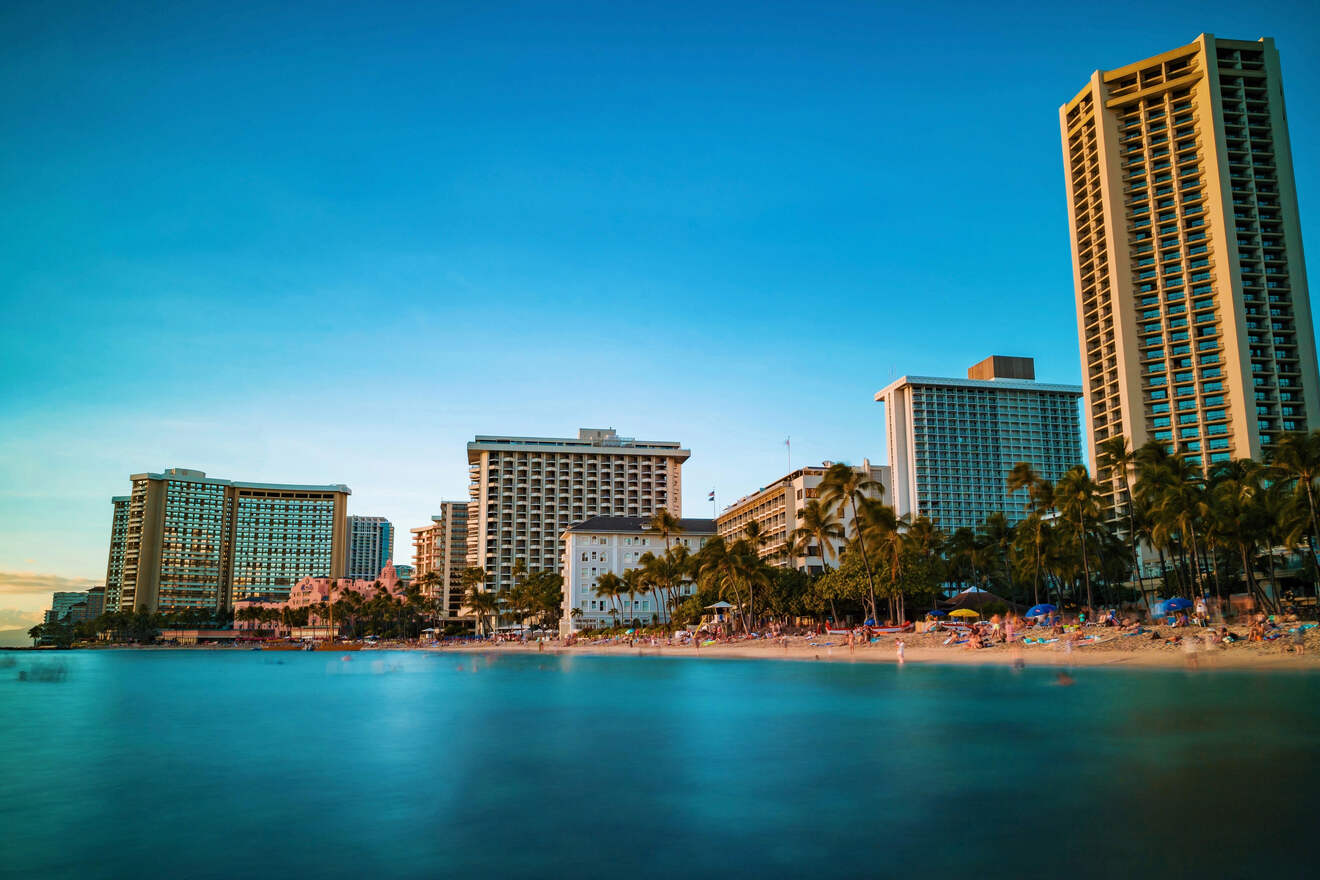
<point x="1111" y="649"/>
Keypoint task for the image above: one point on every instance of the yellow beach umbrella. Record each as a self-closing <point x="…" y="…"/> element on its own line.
<point x="964" y="612"/>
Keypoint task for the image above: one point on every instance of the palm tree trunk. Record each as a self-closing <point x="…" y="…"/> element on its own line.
<point x="866" y="562"/>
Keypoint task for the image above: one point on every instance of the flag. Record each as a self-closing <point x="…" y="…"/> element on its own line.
<point x="711" y="496"/>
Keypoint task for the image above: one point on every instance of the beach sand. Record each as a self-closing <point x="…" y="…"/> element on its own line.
<point x="1111" y="650"/>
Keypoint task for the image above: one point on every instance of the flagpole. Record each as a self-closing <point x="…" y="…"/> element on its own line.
<point x="788" y="444"/>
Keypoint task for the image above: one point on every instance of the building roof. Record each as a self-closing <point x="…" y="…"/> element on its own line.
<point x="595" y="440"/>
<point x="638" y="524"/>
<point x="980" y="384"/>
<point x="194" y="476"/>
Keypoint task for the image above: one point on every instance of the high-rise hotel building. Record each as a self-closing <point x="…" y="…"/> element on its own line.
<point x="370" y="546"/>
<point x="193" y="541"/>
<point x="527" y="491"/>
<point x="441" y="547"/>
<point x="1192" y="306"/>
<point x="953" y="442"/>
<point x="114" y="570"/>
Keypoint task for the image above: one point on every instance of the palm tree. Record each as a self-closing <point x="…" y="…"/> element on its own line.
<point x="1236" y="516"/>
<point x="1078" y="500"/>
<point x="666" y="524"/>
<point x="610" y="586"/>
<point x="482" y="604"/>
<point x="997" y="535"/>
<point x="473" y="579"/>
<point x="1295" y="458"/>
<point x="1116" y="459"/>
<point x="878" y="522"/>
<point x="1039" y="499"/>
<point x="845" y="486"/>
<point x="820" y="524"/>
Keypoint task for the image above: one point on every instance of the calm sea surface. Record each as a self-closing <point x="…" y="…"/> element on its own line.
<point x="256" y="764"/>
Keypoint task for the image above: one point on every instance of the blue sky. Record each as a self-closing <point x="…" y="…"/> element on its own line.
<point x="331" y="244"/>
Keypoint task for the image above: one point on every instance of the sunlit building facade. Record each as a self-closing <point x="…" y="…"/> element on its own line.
<point x="615" y="544"/>
<point x="114" y="570"/>
<point x="527" y="491"/>
<point x="1193" y="311"/>
<point x="775" y="509"/>
<point x="370" y="546"/>
<point x="441" y="548"/>
<point x="192" y="541"/>
<point x="953" y="442"/>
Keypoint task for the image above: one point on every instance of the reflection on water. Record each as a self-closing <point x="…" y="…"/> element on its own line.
<point x="48" y="672"/>
<point x="240" y="764"/>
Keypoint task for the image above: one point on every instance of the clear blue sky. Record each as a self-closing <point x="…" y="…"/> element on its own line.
<point x="330" y="244"/>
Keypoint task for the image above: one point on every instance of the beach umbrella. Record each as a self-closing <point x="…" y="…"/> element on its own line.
<point x="935" y="612"/>
<point x="965" y="612"/>
<point x="1177" y="604"/>
<point x="1043" y="610"/>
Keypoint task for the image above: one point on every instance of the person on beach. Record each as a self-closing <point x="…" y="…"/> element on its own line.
<point x="899" y="647"/>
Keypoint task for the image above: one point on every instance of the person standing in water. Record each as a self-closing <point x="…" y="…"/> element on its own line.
<point x="899" y="646"/>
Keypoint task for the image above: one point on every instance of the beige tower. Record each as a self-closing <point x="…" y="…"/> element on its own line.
<point x="1192" y="307"/>
<point x="527" y="491"/>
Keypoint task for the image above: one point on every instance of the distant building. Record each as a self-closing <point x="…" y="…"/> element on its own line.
<point x="114" y="572"/>
<point x="527" y="491"/>
<point x="370" y="546"/>
<point x="192" y="541"/>
<point x="775" y="510"/>
<point x="615" y="544"/>
<point x="441" y="548"/>
<point x="73" y="607"/>
<point x="953" y="442"/>
<point x="405" y="573"/>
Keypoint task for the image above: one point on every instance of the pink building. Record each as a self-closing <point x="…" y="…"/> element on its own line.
<point x="313" y="592"/>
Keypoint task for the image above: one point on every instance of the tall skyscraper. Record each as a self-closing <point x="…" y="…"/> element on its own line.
<point x="193" y="541"/>
<point x="1192" y="306"/>
<point x="441" y="548"/>
<point x="953" y="442"/>
<point x="114" y="569"/>
<point x="370" y="546"/>
<point x="527" y="491"/>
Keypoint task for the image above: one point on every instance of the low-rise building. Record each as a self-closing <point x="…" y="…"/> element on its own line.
<point x="313" y="593"/>
<point x="615" y="544"/>
<point x="775" y="509"/>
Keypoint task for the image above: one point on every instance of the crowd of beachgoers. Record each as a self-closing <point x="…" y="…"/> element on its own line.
<point x="1182" y="639"/>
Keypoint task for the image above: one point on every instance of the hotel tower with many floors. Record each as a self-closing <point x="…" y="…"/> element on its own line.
<point x="527" y="491"/>
<point x="953" y="442"/>
<point x="370" y="546"/>
<point x="192" y="541"/>
<point x="1192" y="306"/>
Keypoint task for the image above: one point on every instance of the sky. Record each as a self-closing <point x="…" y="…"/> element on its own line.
<point x="332" y="243"/>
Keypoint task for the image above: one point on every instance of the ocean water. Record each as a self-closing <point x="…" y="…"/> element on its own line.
<point x="260" y="764"/>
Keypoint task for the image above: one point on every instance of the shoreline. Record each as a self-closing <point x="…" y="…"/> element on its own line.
<point x="1111" y="650"/>
<point x="1090" y="656"/>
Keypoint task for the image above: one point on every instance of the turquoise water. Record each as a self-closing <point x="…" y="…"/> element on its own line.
<point x="255" y="764"/>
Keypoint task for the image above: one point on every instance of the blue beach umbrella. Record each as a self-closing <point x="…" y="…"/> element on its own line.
<point x="1170" y="605"/>
<point x="1042" y="610"/>
<point x="935" y="612"/>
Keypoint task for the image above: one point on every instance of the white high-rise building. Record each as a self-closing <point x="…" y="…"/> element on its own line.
<point x="953" y="442"/>
<point x="527" y="491"/>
